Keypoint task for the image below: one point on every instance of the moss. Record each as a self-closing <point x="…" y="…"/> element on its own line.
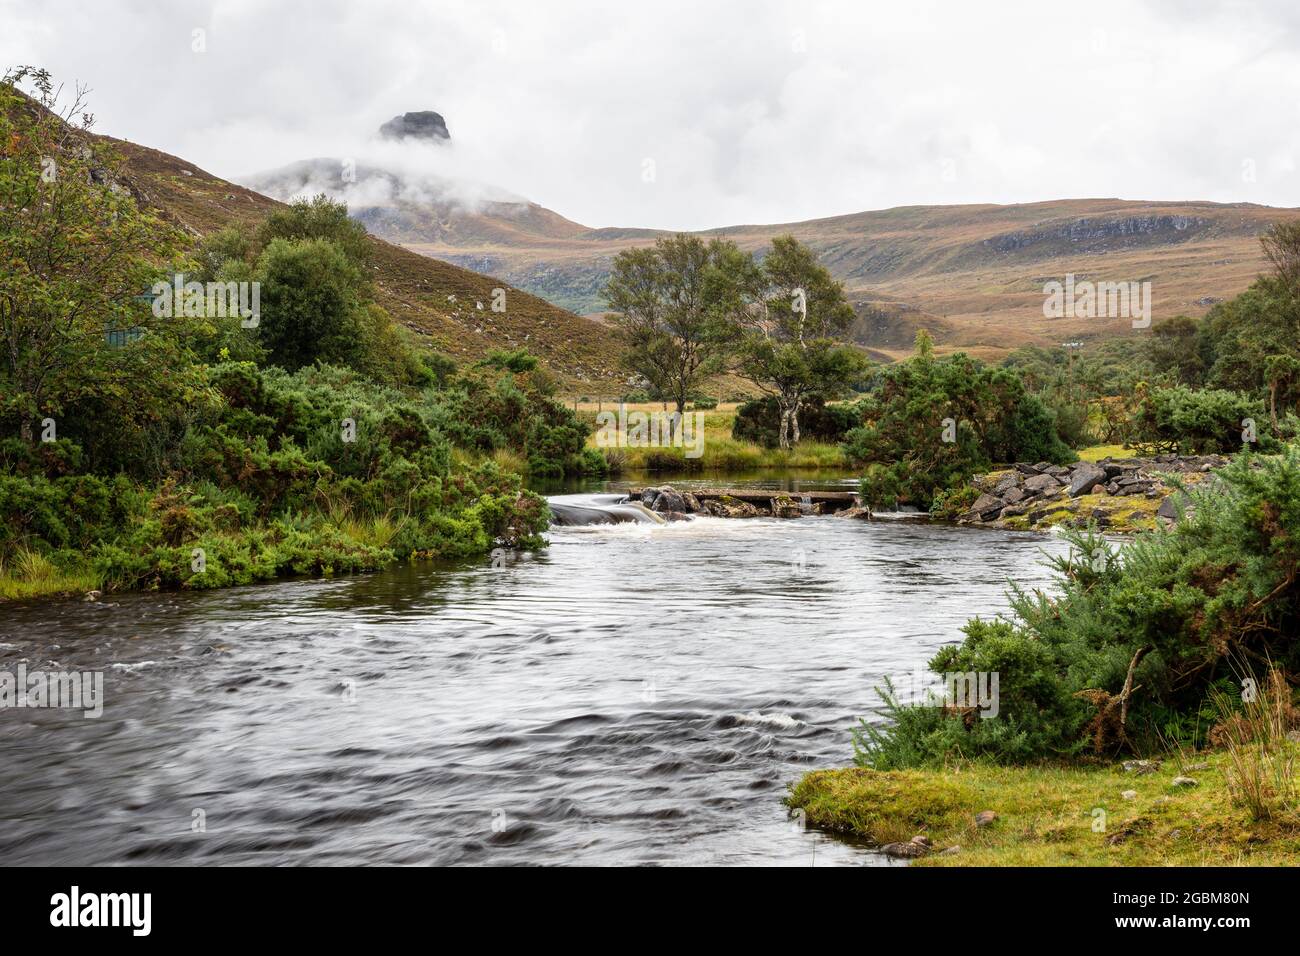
<point x="1098" y="452"/>
<point x="882" y="807"/>
<point x="1049" y="815"/>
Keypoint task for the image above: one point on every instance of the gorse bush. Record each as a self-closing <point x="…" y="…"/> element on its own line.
<point x="269" y="482"/>
<point x="903" y="440"/>
<point x="1201" y="421"/>
<point x="1135" y="644"/>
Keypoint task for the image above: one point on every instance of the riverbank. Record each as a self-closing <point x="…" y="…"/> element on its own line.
<point x="722" y="454"/>
<point x="1101" y="815"/>
<point x="1117" y="495"/>
<point x="169" y="541"/>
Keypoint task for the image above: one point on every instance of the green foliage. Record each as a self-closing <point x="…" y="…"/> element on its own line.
<point x="312" y="263"/>
<point x="791" y="343"/>
<point x="180" y="460"/>
<point x="902" y="441"/>
<point x="1172" y="617"/>
<point x="678" y="302"/>
<point x="759" y="421"/>
<point x="1087" y="387"/>
<point x="319" y="218"/>
<point x="310" y="303"/>
<point x="76" y="256"/>
<point x="492" y="408"/>
<point x="1199" y="421"/>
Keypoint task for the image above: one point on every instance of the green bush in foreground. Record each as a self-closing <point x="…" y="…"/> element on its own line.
<point x="1178" y="617"/>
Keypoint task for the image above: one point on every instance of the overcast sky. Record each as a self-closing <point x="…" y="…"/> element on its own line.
<point x="698" y="114"/>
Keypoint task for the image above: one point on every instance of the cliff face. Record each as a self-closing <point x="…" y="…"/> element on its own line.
<point x="1119" y="230"/>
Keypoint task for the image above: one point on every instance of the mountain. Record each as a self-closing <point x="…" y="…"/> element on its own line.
<point x="451" y="307"/>
<point x="973" y="274"/>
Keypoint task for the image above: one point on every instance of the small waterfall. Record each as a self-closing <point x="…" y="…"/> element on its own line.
<point x="581" y="510"/>
<point x="805" y="504"/>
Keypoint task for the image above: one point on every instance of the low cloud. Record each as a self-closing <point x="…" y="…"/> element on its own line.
<point x="685" y="115"/>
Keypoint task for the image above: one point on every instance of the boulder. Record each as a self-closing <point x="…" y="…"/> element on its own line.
<point x="985" y="818"/>
<point x="1005" y="485"/>
<point x="692" y="503"/>
<point x="986" y="507"/>
<point x="1084" y="477"/>
<point x="668" y="499"/>
<point x="1013" y="496"/>
<point x="1116" y="469"/>
<point x="1025" y="469"/>
<point x="1040" y="484"/>
<point x="783" y="506"/>
<point x="1137" y="488"/>
<point x="735" y="508"/>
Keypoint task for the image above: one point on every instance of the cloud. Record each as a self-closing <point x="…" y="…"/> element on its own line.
<point x="745" y="112"/>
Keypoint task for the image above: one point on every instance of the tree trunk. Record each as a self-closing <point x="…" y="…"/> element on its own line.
<point x="26" y="430"/>
<point x="787" y="420"/>
<point x="675" y="422"/>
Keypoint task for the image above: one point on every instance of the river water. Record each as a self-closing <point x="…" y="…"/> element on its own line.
<point x="635" y="694"/>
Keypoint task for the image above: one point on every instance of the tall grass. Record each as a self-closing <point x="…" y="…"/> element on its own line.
<point x="30" y="574"/>
<point x="721" y="452"/>
<point x="1260" y="772"/>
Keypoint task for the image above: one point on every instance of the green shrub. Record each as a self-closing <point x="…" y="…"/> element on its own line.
<point x="1169" y="618"/>
<point x="930" y="424"/>
<point x="1200" y="421"/>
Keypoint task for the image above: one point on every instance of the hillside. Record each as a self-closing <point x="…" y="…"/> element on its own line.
<point x="449" y="305"/>
<point x="973" y="274"/>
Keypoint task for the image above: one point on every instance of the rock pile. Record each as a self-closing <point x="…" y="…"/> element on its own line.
<point x="1116" y="493"/>
<point x="677" y="505"/>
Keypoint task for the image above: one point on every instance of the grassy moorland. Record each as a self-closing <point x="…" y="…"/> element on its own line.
<point x="948" y="269"/>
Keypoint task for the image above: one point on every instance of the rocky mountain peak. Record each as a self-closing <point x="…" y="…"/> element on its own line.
<point x="425" y="124"/>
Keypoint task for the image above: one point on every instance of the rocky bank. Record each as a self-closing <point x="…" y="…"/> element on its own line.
<point x="1116" y="494"/>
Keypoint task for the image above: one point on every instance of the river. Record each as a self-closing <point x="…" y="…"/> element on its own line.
<point x="634" y="694"/>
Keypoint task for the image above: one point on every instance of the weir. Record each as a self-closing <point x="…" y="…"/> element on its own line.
<point x="830" y="501"/>
<point x="578" y="510"/>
